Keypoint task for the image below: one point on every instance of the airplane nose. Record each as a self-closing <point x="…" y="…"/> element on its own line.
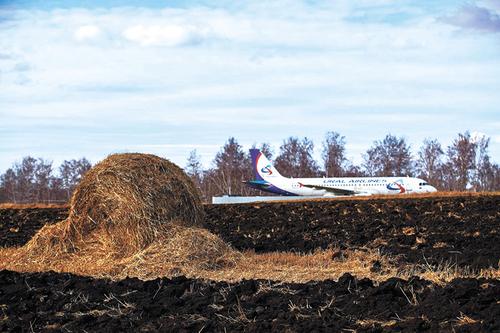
<point x="432" y="189"/>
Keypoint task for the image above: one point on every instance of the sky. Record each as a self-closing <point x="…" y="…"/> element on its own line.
<point x="90" y="78"/>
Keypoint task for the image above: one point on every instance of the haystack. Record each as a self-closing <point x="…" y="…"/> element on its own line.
<point x="131" y="214"/>
<point x="124" y="203"/>
<point x="131" y="199"/>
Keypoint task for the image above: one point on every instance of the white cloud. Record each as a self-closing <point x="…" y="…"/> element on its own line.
<point x="492" y="4"/>
<point x="87" y="32"/>
<point x="251" y="71"/>
<point x="474" y="17"/>
<point x="166" y="35"/>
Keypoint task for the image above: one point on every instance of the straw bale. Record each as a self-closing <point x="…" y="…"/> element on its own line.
<point x="134" y="214"/>
<point x="132" y="198"/>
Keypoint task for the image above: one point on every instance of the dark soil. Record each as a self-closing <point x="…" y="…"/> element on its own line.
<point x="17" y="226"/>
<point x="64" y="302"/>
<point x="458" y="230"/>
<point x="463" y="231"/>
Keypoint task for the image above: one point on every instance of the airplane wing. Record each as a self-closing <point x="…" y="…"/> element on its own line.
<point x="337" y="191"/>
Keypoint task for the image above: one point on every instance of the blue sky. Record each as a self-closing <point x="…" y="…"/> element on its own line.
<point x="166" y="77"/>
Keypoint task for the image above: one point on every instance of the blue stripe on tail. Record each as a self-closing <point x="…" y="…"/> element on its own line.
<point x="255" y="155"/>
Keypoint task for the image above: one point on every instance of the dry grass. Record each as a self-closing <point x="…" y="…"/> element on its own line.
<point x="463" y="320"/>
<point x="368" y="323"/>
<point x="293" y="267"/>
<point x="197" y="253"/>
<point x="445" y="272"/>
<point x="180" y="250"/>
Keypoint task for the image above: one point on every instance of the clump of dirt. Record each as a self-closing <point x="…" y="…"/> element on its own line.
<point x="127" y="206"/>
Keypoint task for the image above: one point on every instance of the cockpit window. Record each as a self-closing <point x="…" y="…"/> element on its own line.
<point x="423" y="184"/>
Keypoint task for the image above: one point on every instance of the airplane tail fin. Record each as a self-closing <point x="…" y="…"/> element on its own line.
<point x="262" y="167"/>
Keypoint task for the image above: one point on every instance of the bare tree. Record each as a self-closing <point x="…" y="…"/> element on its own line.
<point x="209" y="184"/>
<point x="288" y="160"/>
<point x="429" y="163"/>
<point x="232" y="167"/>
<point x="28" y="181"/>
<point x="3" y="194"/>
<point x="266" y="149"/>
<point x="333" y="154"/>
<point x="8" y="182"/>
<point x="57" y="191"/>
<point x="352" y="170"/>
<point x="43" y="176"/>
<point x="461" y="162"/>
<point x="194" y="168"/>
<point x="495" y="176"/>
<point x="296" y="158"/>
<point x="389" y="157"/>
<point x="25" y="179"/>
<point x="483" y="178"/>
<point x="71" y="173"/>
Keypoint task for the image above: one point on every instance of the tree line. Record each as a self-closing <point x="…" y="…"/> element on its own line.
<point x="35" y="181"/>
<point x="463" y="165"/>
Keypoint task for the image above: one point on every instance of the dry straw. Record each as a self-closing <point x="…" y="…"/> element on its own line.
<point x="132" y="198"/>
<point x="127" y="205"/>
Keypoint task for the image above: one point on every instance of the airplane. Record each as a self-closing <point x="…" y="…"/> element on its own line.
<point x="268" y="179"/>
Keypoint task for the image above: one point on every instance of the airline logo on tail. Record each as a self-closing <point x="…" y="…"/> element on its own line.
<point x="267" y="170"/>
<point x="262" y="167"/>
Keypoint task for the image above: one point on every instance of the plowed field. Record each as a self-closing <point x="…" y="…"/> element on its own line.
<point x="67" y="303"/>
<point x="461" y="231"/>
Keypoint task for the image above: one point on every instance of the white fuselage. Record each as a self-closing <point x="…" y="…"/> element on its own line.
<point x="361" y="185"/>
<point x="268" y="179"/>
